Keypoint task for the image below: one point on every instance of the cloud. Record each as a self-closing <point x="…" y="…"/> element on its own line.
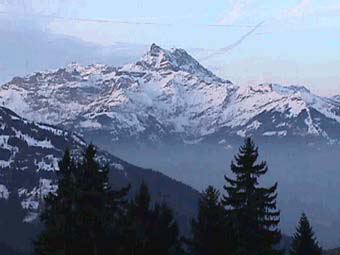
<point x="29" y="8"/>
<point x="312" y="8"/>
<point x="235" y="12"/>
<point x="330" y="10"/>
<point x="303" y="8"/>
<point x="33" y="15"/>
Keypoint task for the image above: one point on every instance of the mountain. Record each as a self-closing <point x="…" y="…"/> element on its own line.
<point x="168" y="95"/>
<point x="286" y="111"/>
<point x="29" y="153"/>
<point x="336" y="98"/>
<point x="168" y="112"/>
<point x="119" y="101"/>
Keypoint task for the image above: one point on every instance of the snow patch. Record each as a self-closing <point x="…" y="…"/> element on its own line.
<point x="4" y="193"/>
<point x="90" y="124"/>
<point x="275" y="133"/>
<point x="118" y="166"/>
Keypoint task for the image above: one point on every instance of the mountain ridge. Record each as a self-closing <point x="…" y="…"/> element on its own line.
<point x="29" y="158"/>
<point x="167" y="94"/>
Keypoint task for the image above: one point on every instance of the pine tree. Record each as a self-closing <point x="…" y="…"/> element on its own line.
<point x="151" y="230"/>
<point x="82" y="217"/>
<point x="91" y="201"/>
<point x="304" y="242"/>
<point x="251" y="208"/>
<point x="58" y="212"/>
<point x="138" y="223"/>
<point x="98" y="207"/>
<point x="164" y="234"/>
<point x="209" y="231"/>
<point x="11" y="219"/>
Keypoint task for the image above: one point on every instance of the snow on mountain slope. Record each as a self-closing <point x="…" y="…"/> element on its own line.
<point x="167" y="95"/>
<point x="43" y="142"/>
<point x="29" y="155"/>
<point x="276" y="110"/>
<point x="336" y="98"/>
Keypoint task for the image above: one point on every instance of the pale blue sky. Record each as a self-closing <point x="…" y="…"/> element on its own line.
<point x="298" y="43"/>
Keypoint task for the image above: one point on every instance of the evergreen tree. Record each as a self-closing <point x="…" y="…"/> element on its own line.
<point x="83" y="215"/>
<point x="151" y="229"/>
<point x="91" y="201"/>
<point x="165" y="232"/>
<point x="11" y="219"/>
<point x="304" y="242"/>
<point x="209" y="231"/>
<point x="58" y="212"/>
<point x="251" y="208"/>
<point x="139" y="223"/>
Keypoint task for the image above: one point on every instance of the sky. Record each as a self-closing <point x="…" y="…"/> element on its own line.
<point x="247" y="41"/>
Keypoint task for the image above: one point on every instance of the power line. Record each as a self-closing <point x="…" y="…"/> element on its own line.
<point x="127" y="22"/>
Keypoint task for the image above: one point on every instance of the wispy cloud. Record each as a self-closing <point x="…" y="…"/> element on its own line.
<point x="236" y="10"/>
<point x="309" y="8"/>
<point x="34" y="14"/>
<point x="39" y="7"/>
<point x="330" y="10"/>
<point x="302" y="8"/>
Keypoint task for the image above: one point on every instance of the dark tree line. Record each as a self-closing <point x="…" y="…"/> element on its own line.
<point x="245" y="220"/>
<point x="86" y="216"/>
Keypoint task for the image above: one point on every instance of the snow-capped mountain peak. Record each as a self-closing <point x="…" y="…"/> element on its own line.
<point x="173" y="60"/>
<point x="167" y="93"/>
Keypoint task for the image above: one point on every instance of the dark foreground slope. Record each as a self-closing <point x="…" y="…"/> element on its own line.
<point x="29" y="153"/>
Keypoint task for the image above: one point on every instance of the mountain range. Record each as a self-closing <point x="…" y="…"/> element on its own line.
<point x="168" y="112"/>
<point x="168" y="95"/>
